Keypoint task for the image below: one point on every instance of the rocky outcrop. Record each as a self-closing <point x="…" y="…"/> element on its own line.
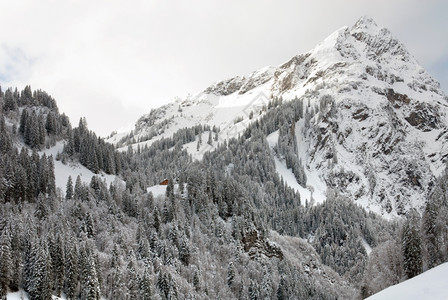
<point x="255" y="245"/>
<point x="424" y="117"/>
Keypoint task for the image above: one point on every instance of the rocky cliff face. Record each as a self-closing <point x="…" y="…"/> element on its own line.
<point x="378" y="135"/>
<point x="375" y="126"/>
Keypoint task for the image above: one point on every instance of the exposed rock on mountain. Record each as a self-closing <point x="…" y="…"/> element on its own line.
<point x="375" y="121"/>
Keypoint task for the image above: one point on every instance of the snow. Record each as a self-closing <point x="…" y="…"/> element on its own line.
<point x="157" y="190"/>
<point x="21" y="295"/>
<point x="430" y="285"/>
<point x="160" y="190"/>
<point x="210" y="109"/>
<point x="62" y="172"/>
<point x="315" y="187"/>
<point x="366" y="246"/>
<point x="192" y="147"/>
<point x="290" y="180"/>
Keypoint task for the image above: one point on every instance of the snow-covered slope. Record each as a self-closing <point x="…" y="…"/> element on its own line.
<point x="21" y="295"/>
<point x="315" y="190"/>
<point x="430" y="285"/>
<point x="378" y="120"/>
<point x="73" y="169"/>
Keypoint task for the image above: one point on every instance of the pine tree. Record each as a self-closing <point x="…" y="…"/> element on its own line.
<point x="41" y="130"/>
<point x="170" y="189"/>
<point x="163" y="284"/>
<point x="197" y="279"/>
<point x="412" y="246"/>
<point x="71" y="270"/>
<point x="184" y="252"/>
<point x="69" y="189"/>
<point x="282" y="291"/>
<point x="42" y="209"/>
<point x="78" y="191"/>
<point x="50" y="124"/>
<point x="173" y="289"/>
<point x="5" y="260"/>
<point x="230" y="274"/>
<point x="23" y="121"/>
<point x="266" y="285"/>
<point x="253" y="291"/>
<point x="434" y="225"/>
<point x="132" y="284"/>
<point x="145" y="286"/>
<point x="210" y="140"/>
<point x="166" y="213"/>
<point x="156" y="221"/>
<point x="9" y="102"/>
<point x="27" y="95"/>
<point x="37" y="278"/>
<point x="90" y="287"/>
<point x="51" y="180"/>
<point x="56" y="251"/>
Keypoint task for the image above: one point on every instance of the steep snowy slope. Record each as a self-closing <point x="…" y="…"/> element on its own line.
<point x="429" y="285"/>
<point x="74" y="169"/>
<point x="375" y="121"/>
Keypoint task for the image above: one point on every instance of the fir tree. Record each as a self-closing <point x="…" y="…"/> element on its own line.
<point x="253" y="291"/>
<point x="197" y="279"/>
<point x="56" y="251"/>
<point x="412" y="246"/>
<point x="184" y="252"/>
<point x="210" y="140"/>
<point x="90" y="288"/>
<point x="230" y="274"/>
<point x="71" y="270"/>
<point x="78" y="191"/>
<point x="163" y="284"/>
<point x="69" y="189"/>
<point x="10" y="102"/>
<point x="5" y="260"/>
<point x="37" y="278"/>
<point x="145" y="286"/>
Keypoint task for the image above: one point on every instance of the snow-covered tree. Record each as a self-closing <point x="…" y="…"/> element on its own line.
<point x="411" y="244"/>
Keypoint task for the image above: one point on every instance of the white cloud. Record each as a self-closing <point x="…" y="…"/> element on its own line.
<point x="111" y="61"/>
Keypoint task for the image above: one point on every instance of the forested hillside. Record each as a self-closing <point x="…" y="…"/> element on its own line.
<point x="227" y="226"/>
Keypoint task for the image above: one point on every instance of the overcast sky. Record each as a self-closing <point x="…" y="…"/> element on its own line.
<point x="112" y="61"/>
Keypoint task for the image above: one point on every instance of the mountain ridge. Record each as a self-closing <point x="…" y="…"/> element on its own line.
<point x="359" y="77"/>
<point x="266" y="185"/>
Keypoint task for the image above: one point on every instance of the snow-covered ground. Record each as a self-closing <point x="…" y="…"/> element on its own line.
<point x="431" y="285"/>
<point x="157" y="190"/>
<point x="315" y="187"/>
<point x="210" y="109"/>
<point x="21" y="295"/>
<point x="366" y="246"/>
<point x="160" y="190"/>
<point x="62" y="172"/>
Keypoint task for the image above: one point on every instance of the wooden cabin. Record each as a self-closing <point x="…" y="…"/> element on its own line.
<point x="164" y="182"/>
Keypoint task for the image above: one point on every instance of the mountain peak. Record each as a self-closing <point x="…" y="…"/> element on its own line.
<point x="365" y="22"/>
<point x="371" y="109"/>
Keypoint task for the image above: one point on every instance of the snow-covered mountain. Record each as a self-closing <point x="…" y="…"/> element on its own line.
<point x="375" y="125"/>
